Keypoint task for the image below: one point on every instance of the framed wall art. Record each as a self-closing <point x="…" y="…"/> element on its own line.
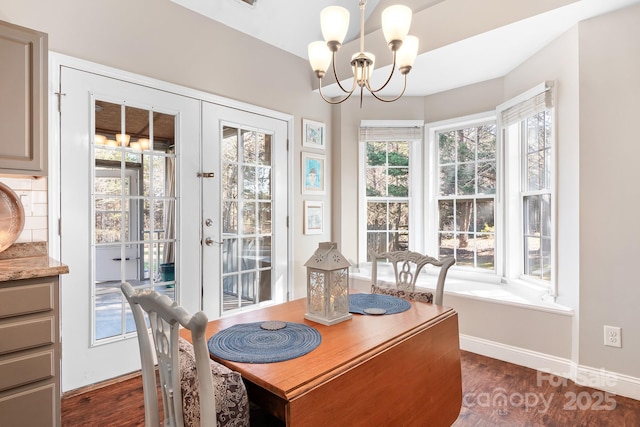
<point x="313" y="134"/>
<point x="313" y="217"/>
<point x="312" y="172"/>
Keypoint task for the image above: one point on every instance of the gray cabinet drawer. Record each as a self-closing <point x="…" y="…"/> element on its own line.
<point x="27" y="334"/>
<point x="29" y="408"/>
<point x="26" y="369"/>
<point x="34" y="298"/>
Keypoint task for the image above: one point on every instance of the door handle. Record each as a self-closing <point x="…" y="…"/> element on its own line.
<point x="209" y="241"/>
<point x="120" y="259"/>
<point x="206" y="174"/>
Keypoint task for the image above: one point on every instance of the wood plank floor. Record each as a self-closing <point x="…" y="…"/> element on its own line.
<point x="495" y="393"/>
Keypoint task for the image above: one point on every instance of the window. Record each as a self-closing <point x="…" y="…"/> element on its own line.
<point x="247" y="198"/>
<point x="466" y="194"/>
<point x="389" y="176"/>
<point x="536" y="196"/>
<point x="528" y="138"/>
<point x="134" y="210"/>
<point x="487" y="181"/>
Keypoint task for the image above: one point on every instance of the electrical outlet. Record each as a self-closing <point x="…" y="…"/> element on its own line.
<point x="612" y="336"/>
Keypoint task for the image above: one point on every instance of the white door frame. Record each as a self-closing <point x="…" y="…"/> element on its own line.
<point x="56" y="61"/>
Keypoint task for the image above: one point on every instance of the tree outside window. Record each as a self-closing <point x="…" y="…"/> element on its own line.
<point x="387" y="194"/>
<point x="466" y="195"/>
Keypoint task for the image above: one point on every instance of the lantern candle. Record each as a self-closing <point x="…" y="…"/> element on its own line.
<point x="327" y="285"/>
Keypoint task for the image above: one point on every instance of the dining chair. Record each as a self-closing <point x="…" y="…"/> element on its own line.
<point x="187" y="375"/>
<point x="406" y="267"/>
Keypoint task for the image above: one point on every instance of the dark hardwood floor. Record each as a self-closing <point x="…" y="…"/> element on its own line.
<point x="495" y="393"/>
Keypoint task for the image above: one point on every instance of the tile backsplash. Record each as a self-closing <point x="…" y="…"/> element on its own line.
<point x="33" y="195"/>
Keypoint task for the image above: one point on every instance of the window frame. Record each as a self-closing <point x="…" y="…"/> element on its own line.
<point x="508" y="198"/>
<point x="509" y="215"/>
<point x="430" y="185"/>
<point x="415" y="192"/>
<point x="514" y="176"/>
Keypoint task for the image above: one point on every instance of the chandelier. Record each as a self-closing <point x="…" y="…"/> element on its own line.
<point x="334" y="21"/>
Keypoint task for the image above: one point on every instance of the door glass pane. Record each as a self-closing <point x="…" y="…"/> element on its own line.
<point x="246" y="217"/>
<point x="134" y="210"/>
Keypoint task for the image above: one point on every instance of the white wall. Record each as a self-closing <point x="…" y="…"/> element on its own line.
<point x="609" y="196"/>
<point x="464" y="101"/>
<point x="559" y="62"/>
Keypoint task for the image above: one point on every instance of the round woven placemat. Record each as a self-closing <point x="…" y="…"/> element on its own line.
<point x="359" y="302"/>
<point x="251" y="343"/>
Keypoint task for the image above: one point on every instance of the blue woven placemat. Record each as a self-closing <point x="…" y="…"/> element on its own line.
<point x="359" y="302"/>
<point x="250" y="343"/>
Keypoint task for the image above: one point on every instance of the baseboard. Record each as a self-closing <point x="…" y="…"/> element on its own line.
<point x="102" y="384"/>
<point x="618" y="384"/>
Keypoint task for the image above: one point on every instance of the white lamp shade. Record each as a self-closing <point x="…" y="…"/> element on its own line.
<point x="144" y="143"/>
<point x="334" y="21"/>
<point x="100" y="139"/>
<point x="407" y="53"/>
<point x="368" y="71"/>
<point x="396" y="21"/>
<point x="123" y="139"/>
<point x="319" y="56"/>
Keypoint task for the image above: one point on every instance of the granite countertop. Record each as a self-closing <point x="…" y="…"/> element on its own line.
<point x="27" y="261"/>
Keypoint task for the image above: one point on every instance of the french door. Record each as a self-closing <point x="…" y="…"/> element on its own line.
<point x="168" y="192"/>
<point x="244" y="210"/>
<point x="130" y="209"/>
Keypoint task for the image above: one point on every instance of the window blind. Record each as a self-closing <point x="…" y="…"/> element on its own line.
<point x="370" y="133"/>
<point x="530" y="107"/>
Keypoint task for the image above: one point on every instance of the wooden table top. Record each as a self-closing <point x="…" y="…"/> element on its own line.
<point x="343" y="345"/>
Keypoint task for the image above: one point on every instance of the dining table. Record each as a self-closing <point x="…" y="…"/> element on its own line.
<point x="388" y="369"/>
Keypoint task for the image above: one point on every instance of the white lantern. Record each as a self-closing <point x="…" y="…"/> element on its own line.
<point x="327" y="286"/>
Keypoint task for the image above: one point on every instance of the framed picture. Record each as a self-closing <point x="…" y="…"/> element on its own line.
<point x="313" y="217"/>
<point x="313" y="134"/>
<point x="313" y="177"/>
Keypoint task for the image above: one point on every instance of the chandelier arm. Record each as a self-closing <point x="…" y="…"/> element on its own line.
<point x="404" y="87"/>
<point x="393" y="69"/>
<point x="330" y="101"/>
<point x="335" y="74"/>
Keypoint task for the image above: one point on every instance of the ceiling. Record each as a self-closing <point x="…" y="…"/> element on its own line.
<point x="293" y="24"/>
<point x="108" y="119"/>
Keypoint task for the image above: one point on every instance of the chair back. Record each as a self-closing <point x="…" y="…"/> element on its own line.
<point x="165" y="318"/>
<point x="407" y="266"/>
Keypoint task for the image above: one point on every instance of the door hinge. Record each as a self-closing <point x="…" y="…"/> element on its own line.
<point x="59" y="226"/>
<point x="287" y="221"/>
<point x="60" y="95"/>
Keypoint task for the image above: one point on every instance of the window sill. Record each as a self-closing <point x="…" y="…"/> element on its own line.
<point x="518" y="293"/>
